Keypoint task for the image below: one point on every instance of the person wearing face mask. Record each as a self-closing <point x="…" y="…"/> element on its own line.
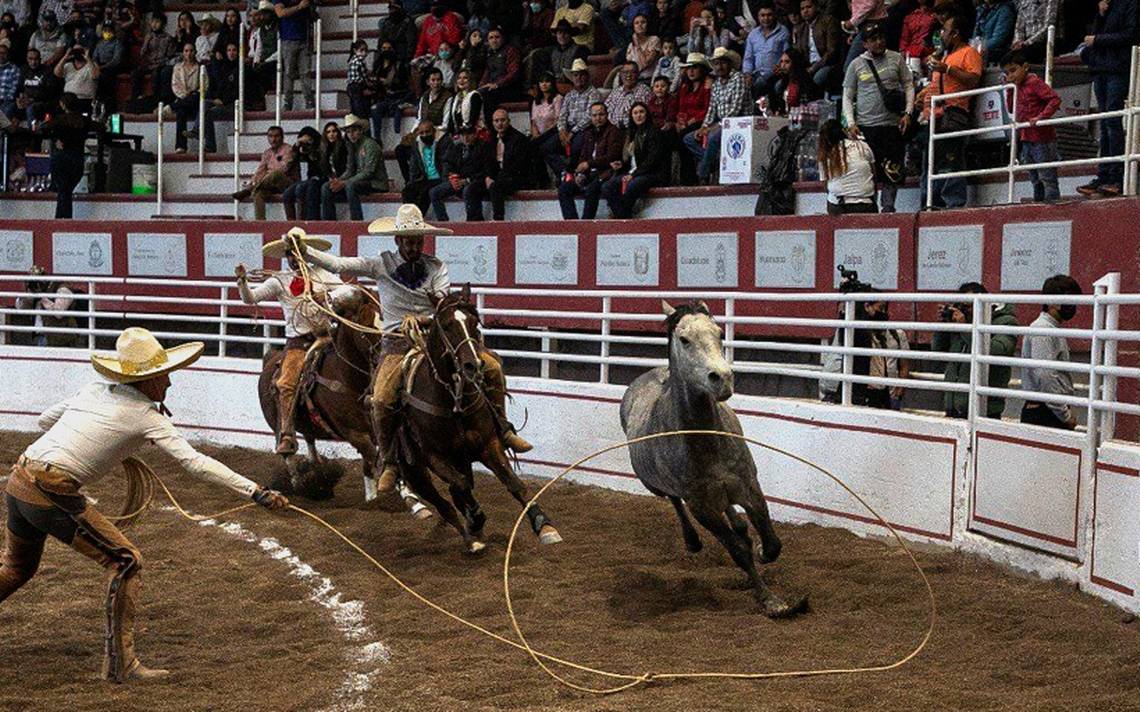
<point x="393" y="89"/>
<point x="580" y="15"/>
<point x="442" y="25"/>
<point x="447" y="64"/>
<point x="108" y="57"/>
<point x="360" y="87"/>
<point x="399" y="29"/>
<point x="1042" y="379"/>
<point x="80" y="77"/>
<point x="536" y="30"/>
<point x="425" y="166"/>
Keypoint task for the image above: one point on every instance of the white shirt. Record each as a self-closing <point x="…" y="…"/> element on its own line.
<point x="301" y="316"/>
<point x="857" y="185"/>
<point x="105" y="423"/>
<point x="396" y="300"/>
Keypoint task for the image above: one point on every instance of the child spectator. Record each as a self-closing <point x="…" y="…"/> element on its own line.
<point x="447" y="64"/>
<point x="668" y="65"/>
<point x="360" y="88"/>
<point x="1036" y="100"/>
<point x="662" y="107"/>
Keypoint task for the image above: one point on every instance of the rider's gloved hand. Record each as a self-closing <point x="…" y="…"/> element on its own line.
<point x="270" y="499"/>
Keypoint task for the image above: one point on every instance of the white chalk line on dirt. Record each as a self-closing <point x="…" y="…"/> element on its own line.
<point x="348" y="617"/>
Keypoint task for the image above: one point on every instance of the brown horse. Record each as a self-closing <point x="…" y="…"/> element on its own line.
<point x="448" y="423"/>
<point x="334" y="407"/>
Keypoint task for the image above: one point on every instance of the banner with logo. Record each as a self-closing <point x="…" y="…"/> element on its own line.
<point x="81" y="253"/>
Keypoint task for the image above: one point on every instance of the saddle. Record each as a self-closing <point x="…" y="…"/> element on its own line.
<point x="310" y="380"/>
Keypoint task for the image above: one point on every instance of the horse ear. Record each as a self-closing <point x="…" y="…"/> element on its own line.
<point x="465" y="292"/>
<point x="434" y="298"/>
<point x="668" y="310"/>
<point x="701" y="306"/>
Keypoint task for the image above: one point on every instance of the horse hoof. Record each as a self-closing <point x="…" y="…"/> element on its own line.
<point x="776" y="607"/>
<point x="771" y="551"/>
<point x="418" y="509"/>
<point x="549" y="535"/>
<point x="476" y="547"/>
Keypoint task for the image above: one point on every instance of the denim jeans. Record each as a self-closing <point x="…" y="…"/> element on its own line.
<point x="621" y="204"/>
<point x="708" y="155"/>
<point x="591" y="192"/>
<point x="948" y="156"/>
<point x="1044" y="180"/>
<point x="472" y="200"/>
<point x="351" y="194"/>
<point x="1110" y="90"/>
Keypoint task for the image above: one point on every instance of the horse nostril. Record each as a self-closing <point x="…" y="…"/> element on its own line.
<point x="714" y="377"/>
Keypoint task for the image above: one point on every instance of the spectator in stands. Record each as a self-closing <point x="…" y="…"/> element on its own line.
<point x="186" y="30"/>
<point x="882" y="396"/>
<point x="580" y="15"/>
<point x="848" y="166"/>
<point x="80" y="77"/>
<point x="705" y="35"/>
<point x="434" y="100"/>
<point x="668" y="65"/>
<point x="994" y="28"/>
<point x="538" y="16"/>
<point x="184" y="84"/>
<point x="477" y="18"/>
<point x="511" y="165"/>
<point x="68" y="133"/>
<point x="728" y="97"/>
<point x="545" y="106"/>
<point x="466" y="163"/>
<point x="1002" y="345"/>
<point x="737" y="29"/>
<point x="465" y="108"/>
<point x="790" y="86"/>
<point x="662" y="107"/>
<point x="473" y="54"/>
<point x="364" y="173"/>
<point x="665" y="20"/>
<point x="592" y="165"/>
<point x="360" y="86"/>
<point x="960" y="69"/>
<point x="39" y="88"/>
<point x="1031" y="28"/>
<point x="644" y="48"/>
<point x="425" y="166"/>
<point x="565" y="50"/>
<point x="262" y="53"/>
<point x="53" y="311"/>
<point x="818" y="37"/>
<point x="231" y="30"/>
<point x="392" y="79"/>
<point x="763" y="49"/>
<point x="918" y="31"/>
<point x="9" y="84"/>
<point x="221" y="94"/>
<point x="294" y="18"/>
<point x="502" y="77"/>
<point x="10" y="35"/>
<point x="1042" y="379"/>
<point x="625" y="94"/>
<point x="692" y="105"/>
<point x="50" y="40"/>
<point x="157" y="49"/>
<point x="442" y="25"/>
<point x="108" y="56"/>
<point x="275" y="172"/>
<point x="878" y="98"/>
<point x="1036" y="101"/>
<point x="644" y="164"/>
<point x="862" y="12"/>
<point x="307" y="157"/>
<point x="209" y="28"/>
<point x="617" y="20"/>
<point x="21" y="11"/>
<point x="1108" y="55"/>
<point x="334" y="162"/>
<point x="447" y="62"/>
<point x="573" y="119"/>
<point x="399" y="28"/>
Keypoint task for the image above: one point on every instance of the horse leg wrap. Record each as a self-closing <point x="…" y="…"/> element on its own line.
<point x="538" y="519"/>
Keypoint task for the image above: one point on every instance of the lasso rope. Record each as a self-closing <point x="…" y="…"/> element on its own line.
<point x="308" y="296"/>
<point x="541" y="658"/>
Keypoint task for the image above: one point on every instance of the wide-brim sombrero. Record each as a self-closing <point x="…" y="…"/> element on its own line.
<point x="138" y="356"/>
<point x="279" y="248"/>
<point x="408" y="221"/>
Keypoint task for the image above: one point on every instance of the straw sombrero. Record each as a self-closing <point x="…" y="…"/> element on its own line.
<point x="408" y="221"/>
<point x="695" y="59"/>
<point x="726" y="55"/>
<point x="278" y="248"/>
<point x="139" y="356"/>
<point x="354" y="120"/>
<point x="578" y="65"/>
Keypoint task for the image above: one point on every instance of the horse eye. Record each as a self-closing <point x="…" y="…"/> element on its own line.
<point x="684" y="341"/>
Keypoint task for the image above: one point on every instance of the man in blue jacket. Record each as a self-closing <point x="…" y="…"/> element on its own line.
<point x="994" y="27"/>
<point x="1107" y="52"/>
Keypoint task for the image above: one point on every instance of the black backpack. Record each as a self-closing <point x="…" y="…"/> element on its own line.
<point x="777" y="193"/>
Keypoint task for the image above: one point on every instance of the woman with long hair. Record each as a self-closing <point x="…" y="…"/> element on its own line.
<point x="791" y="85"/>
<point x="307" y="156"/>
<point x="184" y="87"/>
<point x="473" y="55"/>
<point x="644" y="164"/>
<point x="644" y="48"/>
<point x="187" y="31"/>
<point x="545" y="105"/>
<point x="706" y="34"/>
<point x="392" y="79"/>
<point x="230" y="33"/>
<point x="693" y="96"/>
<point x="848" y="166"/>
<point x="465" y="108"/>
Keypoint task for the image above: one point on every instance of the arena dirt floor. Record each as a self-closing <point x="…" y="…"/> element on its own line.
<point x="244" y="631"/>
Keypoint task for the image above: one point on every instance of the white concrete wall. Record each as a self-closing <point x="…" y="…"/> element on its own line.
<point x="1022" y="498"/>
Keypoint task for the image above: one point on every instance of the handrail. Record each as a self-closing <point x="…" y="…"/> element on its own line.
<point x="158" y="166"/>
<point x="237" y="153"/>
<point x="240" y="114"/>
<point x="317" y="94"/>
<point x="280" y="69"/>
<point x="201" y="119"/>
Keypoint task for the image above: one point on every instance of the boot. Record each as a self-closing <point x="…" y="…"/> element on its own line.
<point x="243" y="194"/>
<point x="142" y="673"/>
<point x="387" y="481"/>
<point x="516" y="442"/>
<point x="286" y="429"/>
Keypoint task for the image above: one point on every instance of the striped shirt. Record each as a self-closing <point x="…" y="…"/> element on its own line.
<point x="729" y="97"/>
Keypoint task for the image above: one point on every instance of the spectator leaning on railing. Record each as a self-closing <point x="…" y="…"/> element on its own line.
<point x="1043" y="379"/>
<point x="1036" y="101"/>
<point x="1107" y="52"/>
<point x="848" y="166"/>
<point x="1004" y="345"/>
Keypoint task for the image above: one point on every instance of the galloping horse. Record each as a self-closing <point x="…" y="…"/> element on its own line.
<point x="710" y="474"/>
<point x="334" y="407"/>
<point x="448" y="423"/>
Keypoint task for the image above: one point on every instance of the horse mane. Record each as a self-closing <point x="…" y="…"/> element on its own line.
<point x="456" y="300"/>
<point x="680" y="312"/>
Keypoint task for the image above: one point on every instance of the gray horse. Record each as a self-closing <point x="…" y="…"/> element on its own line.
<point x="708" y="473"/>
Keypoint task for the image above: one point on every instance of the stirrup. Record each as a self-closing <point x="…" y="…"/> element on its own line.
<point x="516" y="442"/>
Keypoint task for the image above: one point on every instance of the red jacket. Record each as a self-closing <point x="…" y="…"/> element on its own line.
<point x="1035" y="100"/>
<point x="692" y="105"/>
<point x="662" y="111"/>
<point x="916" y="30"/>
<point x="436" y="30"/>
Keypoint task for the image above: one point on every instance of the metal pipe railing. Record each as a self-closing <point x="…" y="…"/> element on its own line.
<point x="317" y="88"/>
<point x="278" y="73"/>
<point x="201" y="119"/>
<point x="355" y="17"/>
<point x="237" y="154"/>
<point x="239" y="121"/>
<point x="158" y="166"/>
<point x="1050" y="48"/>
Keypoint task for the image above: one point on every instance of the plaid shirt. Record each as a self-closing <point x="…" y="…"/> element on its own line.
<point x="1034" y="18"/>
<point x="575" y="114"/>
<point x="620" y="99"/>
<point x="729" y="98"/>
<point x="9" y="81"/>
<point x="357" y="70"/>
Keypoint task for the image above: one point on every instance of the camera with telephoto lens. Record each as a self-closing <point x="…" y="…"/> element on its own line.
<point x="850" y="281"/>
<point x="946" y="311"/>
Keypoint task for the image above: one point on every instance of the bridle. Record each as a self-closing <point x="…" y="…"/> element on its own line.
<point x="460" y="383"/>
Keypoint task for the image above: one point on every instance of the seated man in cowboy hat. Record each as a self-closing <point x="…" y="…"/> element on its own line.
<point x="88" y="434"/>
<point x="365" y="172"/>
<point x="305" y="324"/>
<point x="405" y="280"/>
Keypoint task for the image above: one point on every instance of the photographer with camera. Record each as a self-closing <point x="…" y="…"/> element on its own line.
<point x="52" y="302"/>
<point x="957" y="404"/>
<point x="80" y="77"/>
